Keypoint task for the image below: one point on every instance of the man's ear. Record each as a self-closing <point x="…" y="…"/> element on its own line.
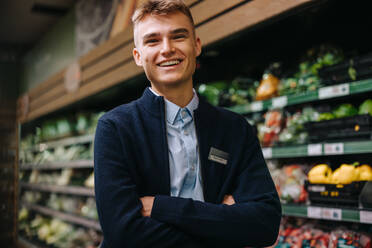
<point x="137" y="56"/>
<point x="198" y="46"/>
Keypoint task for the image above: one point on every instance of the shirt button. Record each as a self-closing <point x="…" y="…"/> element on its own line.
<point x="183" y="113"/>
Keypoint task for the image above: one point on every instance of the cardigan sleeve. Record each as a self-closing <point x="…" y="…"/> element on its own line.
<point x="253" y="221"/>
<point x="118" y="204"/>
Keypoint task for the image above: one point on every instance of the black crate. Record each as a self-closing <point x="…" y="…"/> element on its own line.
<point x="335" y="194"/>
<point x="357" y="127"/>
<point x="339" y="73"/>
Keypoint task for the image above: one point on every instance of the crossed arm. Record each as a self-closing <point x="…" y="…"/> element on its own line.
<point x="250" y="216"/>
<point x="148" y="202"/>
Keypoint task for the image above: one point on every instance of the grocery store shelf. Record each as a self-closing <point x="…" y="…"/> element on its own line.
<point x="71" y="218"/>
<point x="322" y="93"/>
<point x="72" y="190"/>
<point x="58" y="165"/>
<point x="328" y="213"/>
<point x="63" y="142"/>
<point x="320" y="149"/>
<point x="24" y="243"/>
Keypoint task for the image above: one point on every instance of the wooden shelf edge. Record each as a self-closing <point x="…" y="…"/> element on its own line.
<point x="71" y="190"/>
<point x="24" y="243"/>
<point x="58" y="165"/>
<point x="71" y="218"/>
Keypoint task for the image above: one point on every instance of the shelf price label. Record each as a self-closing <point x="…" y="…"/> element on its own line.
<point x="314" y="149"/>
<point x="256" y="106"/>
<point x="334" y="91"/>
<point x="365" y="217"/>
<point x="314" y="212"/>
<point x="334" y="148"/>
<point x="267" y="152"/>
<point x="331" y="213"/>
<point x="279" y="102"/>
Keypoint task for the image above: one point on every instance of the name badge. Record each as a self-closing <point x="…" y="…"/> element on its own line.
<point x="218" y="156"/>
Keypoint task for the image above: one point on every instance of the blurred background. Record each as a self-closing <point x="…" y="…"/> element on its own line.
<point x="299" y="71"/>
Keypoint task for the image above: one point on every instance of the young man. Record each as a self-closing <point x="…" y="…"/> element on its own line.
<point x="170" y="169"/>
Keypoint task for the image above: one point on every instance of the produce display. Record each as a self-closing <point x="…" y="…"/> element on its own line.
<point x="55" y="232"/>
<point x="305" y="233"/>
<point x="345" y="174"/>
<point x="82" y="123"/>
<point x="289" y="182"/>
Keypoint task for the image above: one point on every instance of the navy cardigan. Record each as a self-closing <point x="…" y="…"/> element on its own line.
<point x="131" y="161"/>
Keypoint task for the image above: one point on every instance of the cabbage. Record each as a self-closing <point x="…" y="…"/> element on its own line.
<point x="366" y="107"/>
<point x="345" y="110"/>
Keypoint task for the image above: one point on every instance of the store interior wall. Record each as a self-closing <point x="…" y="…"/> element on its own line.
<point x="51" y="54"/>
<point x="8" y="150"/>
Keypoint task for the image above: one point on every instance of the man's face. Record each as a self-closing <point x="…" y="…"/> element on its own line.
<point x="166" y="48"/>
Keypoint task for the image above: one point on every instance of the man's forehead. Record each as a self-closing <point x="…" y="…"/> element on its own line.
<point x="164" y="23"/>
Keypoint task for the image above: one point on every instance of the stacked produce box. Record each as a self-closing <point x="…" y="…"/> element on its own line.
<point x="316" y="133"/>
<point x="57" y="206"/>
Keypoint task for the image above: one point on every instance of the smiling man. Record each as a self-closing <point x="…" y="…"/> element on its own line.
<point x="170" y="169"/>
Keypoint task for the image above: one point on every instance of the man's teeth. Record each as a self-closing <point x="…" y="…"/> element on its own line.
<point x="171" y="62"/>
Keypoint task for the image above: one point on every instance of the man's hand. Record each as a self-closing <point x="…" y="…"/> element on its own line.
<point x="147" y="202"/>
<point x="228" y="200"/>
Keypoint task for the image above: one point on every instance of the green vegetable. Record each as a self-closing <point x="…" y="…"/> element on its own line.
<point x="211" y="93"/>
<point x="345" y="110"/>
<point x="366" y="107"/>
<point x="325" y="116"/>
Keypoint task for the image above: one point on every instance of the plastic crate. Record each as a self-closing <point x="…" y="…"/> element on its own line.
<point x="339" y="73"/>
<point x="357" y="127"/>
<point x="335" y="194"/>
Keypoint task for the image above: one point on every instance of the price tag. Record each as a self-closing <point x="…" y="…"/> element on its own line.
<point x="314" y="149"/>
<point x="314" y="212"/>
<point x="365" y="217"/>
<point x="256" y="106"/>
<point x="279" y="102"/>
<point x="267" y="152"/>
<point x="331" y="213"/>
<point x="334" y="91"/>
<point x="334" y="148"/>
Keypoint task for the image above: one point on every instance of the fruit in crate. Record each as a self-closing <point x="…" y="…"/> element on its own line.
<point x="268" y="87"/>
<point x="366" y="107"/>
<point x="345" y="174"/>
<point x="320" y="173"/>
<point x="364" y="172"/>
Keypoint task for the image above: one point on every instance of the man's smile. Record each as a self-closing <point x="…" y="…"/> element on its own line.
<point x="169" y="63"/>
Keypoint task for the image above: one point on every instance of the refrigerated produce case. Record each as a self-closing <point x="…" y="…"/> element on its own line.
<point x="237" y="55"/>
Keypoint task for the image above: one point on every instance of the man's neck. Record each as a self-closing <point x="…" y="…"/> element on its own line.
<point x="180" y="96"/>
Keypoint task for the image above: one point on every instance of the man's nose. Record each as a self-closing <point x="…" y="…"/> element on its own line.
<point x="167" y="47"/>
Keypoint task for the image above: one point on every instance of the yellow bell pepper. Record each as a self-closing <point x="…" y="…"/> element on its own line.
<point x="345" y="174"/>
<point x="320" y="173"/>
<point x="365" y="172"/>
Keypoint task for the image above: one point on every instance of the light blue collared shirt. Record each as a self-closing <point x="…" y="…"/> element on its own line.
<point x="184" y="161"/>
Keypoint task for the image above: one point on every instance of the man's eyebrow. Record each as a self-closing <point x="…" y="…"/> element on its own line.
<point x="150" y="35"/>
<point x="180" y="30"/>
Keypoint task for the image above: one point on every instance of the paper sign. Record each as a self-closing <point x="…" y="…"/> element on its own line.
<point x="279" y="102"/>
<point x="267" y="152"/>
<point x="331" y="213"/>
<point x="256" y="106"/>
<point x="334" y="91"/>
<point x="314" y="212"/>
<point x="334" y="148"/>
<point x="365" y="217"/>
<point x="314" y="149"/>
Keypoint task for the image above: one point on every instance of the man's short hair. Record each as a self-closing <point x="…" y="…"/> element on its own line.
<point x="161" y="7"/>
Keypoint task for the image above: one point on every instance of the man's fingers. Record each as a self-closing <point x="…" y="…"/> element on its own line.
<point x="228" y="200"/>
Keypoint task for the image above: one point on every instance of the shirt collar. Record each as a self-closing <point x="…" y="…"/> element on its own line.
<point x="172" y="109"/>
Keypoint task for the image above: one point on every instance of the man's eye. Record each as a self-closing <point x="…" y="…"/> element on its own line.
<point x="179" y="37"/>
<point x="151" y="41"/>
